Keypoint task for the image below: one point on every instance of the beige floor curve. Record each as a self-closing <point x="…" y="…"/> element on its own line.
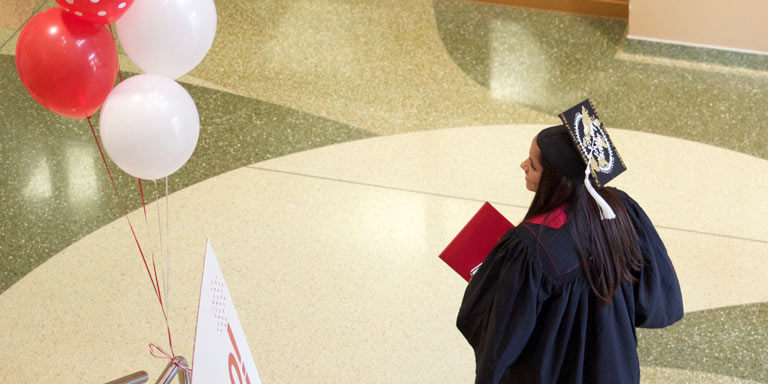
<point x="331" y="257"/>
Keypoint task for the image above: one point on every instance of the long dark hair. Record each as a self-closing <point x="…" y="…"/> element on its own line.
<point x="608" y="249"/>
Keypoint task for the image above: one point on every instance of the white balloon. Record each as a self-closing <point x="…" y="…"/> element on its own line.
<point x="168" y="37"/>
<point x="149" y="126"/>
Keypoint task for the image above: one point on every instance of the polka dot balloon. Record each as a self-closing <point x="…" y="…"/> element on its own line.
<point x="97" y="11"/>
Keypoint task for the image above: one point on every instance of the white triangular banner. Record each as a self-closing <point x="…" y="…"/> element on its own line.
<point x="221" y="353"/>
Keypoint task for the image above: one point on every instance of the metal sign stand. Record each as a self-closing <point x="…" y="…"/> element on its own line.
<point x="170" y="371"/>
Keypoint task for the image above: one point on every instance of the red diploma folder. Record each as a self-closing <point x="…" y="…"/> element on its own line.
<point x="475" y="241"/>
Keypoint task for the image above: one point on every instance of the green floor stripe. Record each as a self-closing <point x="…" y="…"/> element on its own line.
<point x="55" y="189"/>
<point x="730" y="341"/>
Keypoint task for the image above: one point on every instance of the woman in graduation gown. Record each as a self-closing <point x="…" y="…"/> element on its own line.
<point x="559" y="298"/>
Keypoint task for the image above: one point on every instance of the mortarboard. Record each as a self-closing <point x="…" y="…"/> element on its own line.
<point x="581" y="148"/>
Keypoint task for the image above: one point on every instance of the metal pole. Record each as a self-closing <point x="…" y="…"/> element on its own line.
<point x="172" y="370"/>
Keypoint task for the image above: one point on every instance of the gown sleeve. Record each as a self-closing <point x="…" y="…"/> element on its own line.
<point x="658" y="301"/>
<point x="499" y="309"/>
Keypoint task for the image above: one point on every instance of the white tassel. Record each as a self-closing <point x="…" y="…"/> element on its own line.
<point x="605" y="210"/>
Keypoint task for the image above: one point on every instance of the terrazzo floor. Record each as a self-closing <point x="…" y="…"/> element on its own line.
<point x="374" y="91"/>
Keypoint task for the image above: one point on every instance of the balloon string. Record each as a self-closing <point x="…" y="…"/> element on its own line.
<point x="119" y="72"/>
<point x="133" y="232"/>
<point x="154" y="268"/>
<point x="165" y="260"/>
<point x="119" y="202"/>
<point x="143" y="205"/>
<point x="168" y="249"/>
<point x="167" y="266"/>
<point x="146" y="221"/>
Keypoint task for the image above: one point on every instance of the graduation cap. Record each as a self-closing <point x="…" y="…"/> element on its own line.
<point x="581" y="148"/>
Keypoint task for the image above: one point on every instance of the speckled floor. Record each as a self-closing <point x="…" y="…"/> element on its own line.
<point x="287" y="76"/>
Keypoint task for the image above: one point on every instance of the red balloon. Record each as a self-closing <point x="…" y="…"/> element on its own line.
<point x="67" y="64"/>
<point x="97" y="11"/>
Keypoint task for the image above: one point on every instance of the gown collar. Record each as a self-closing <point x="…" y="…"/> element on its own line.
<point x="554" y="219"/>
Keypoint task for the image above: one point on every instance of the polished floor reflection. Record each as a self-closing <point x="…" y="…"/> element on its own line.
<point x="284" y="77"/>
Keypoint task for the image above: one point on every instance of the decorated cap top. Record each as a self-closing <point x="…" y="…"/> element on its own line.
<point x="591" y="139"/>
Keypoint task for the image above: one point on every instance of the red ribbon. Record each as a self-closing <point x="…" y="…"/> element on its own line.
<point x="154" y="267"/>
<point x="155" y="284"/>
<point x="154" y="348"/>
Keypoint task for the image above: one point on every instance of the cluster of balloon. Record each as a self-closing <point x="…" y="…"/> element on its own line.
<point x="67" y="61"/>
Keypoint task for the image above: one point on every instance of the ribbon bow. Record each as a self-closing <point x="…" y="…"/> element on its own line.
<point x="154" y="349"/>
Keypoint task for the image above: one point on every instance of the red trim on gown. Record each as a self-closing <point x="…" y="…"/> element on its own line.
<point x="554" y="219"/>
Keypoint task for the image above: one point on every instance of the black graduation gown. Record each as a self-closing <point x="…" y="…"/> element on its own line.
<point x="530" y="315"/>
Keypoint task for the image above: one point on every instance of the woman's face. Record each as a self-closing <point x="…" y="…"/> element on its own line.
<point x="532" y="167"/>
